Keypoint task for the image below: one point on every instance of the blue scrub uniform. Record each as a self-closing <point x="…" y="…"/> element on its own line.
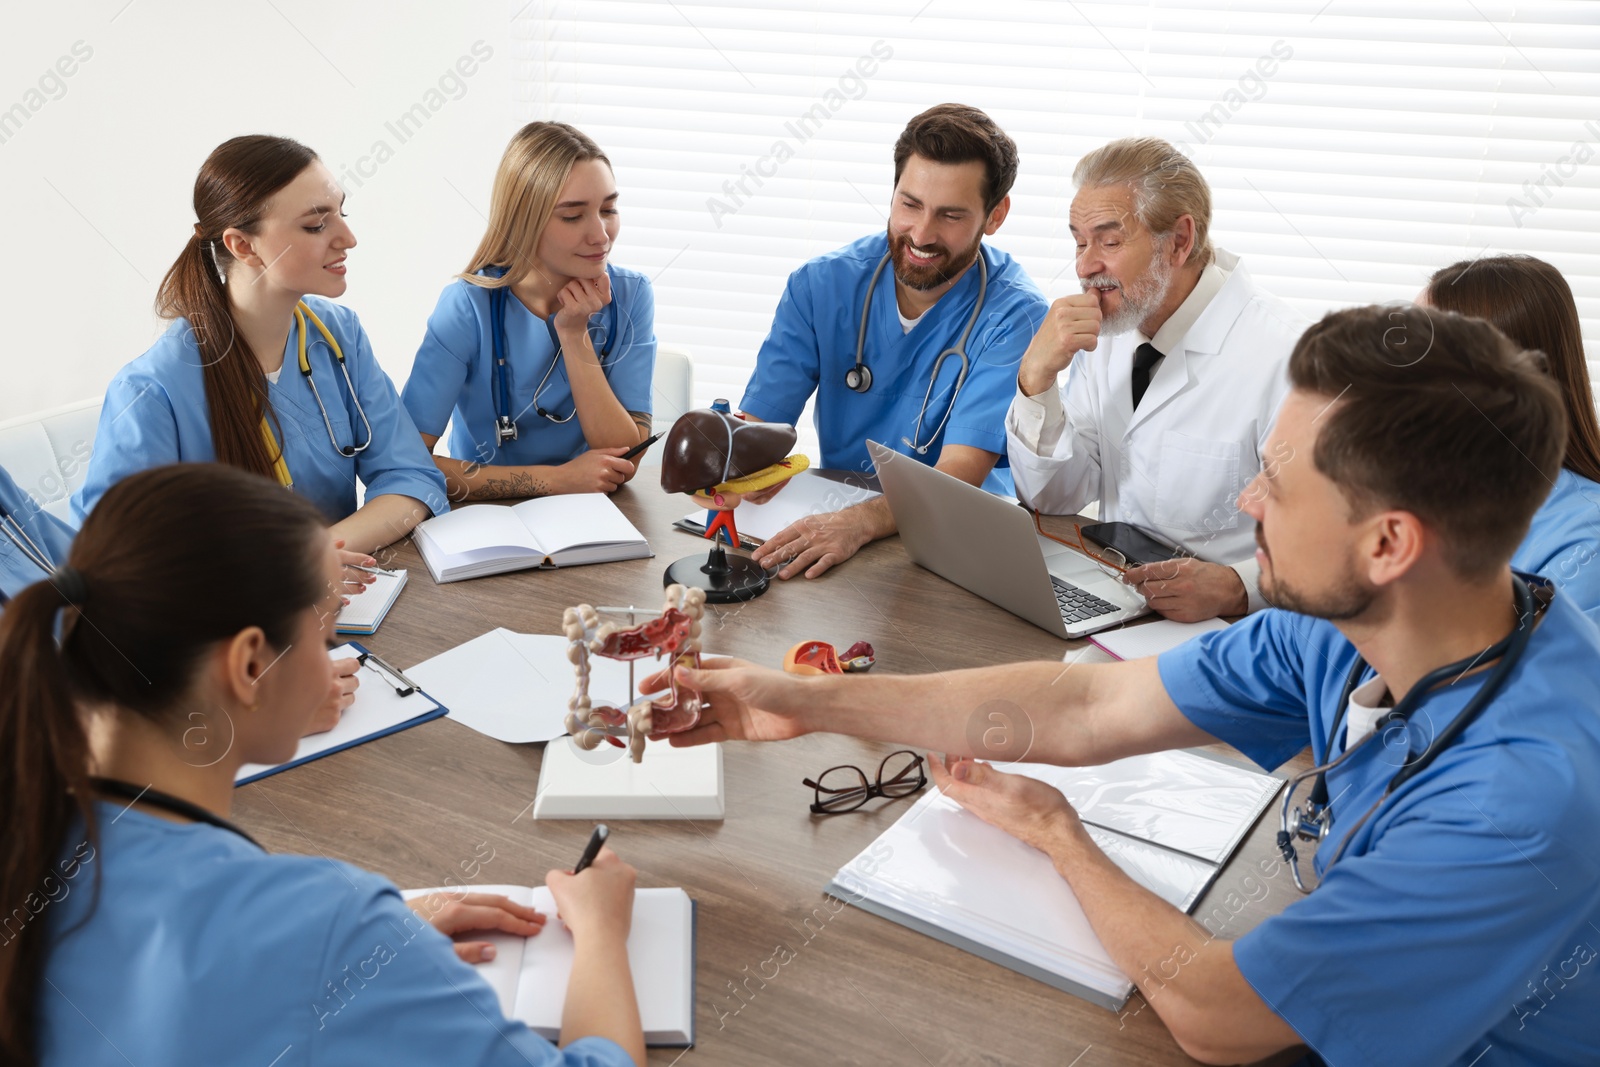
<point x="156" y="413"/>
<point x="1563" y="542"/>
<point x="1465" y="912"/>
<point x="49" y="534"/>
<point x="813" y="344"/>
<point x="204" y="950"/>
<point x="454" y="372"/>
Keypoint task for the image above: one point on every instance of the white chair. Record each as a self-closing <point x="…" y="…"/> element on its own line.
<point x="47" y="453"/>
<point x="673" y="388"/>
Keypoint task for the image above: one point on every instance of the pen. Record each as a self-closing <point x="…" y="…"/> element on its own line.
<point x="642" y="445"/>
<point x="373" y="570"/>
<point x="592" y="849"/>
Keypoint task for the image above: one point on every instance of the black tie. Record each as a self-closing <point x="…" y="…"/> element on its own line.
<point x="1145" y="357"/>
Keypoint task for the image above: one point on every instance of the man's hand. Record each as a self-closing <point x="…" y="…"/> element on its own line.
<point x="341" y="694"/>
<point x="739" y="702"/>
<point x="579" y="299"/>
<point x="1071" y="325"/>
<point x="817" y="542"/>
<point x="1029" y="810"/>
<point x="1190" y="590"/>
<point x="599" y="470"/>
<point x="761" y="496"/>
<point x="455" y="913"/>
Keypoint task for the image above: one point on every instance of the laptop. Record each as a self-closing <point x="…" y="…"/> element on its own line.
<point x="988" y="546"/>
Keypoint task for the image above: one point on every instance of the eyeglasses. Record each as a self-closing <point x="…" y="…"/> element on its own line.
<point x="842" y="789"/>
<point x="1109" y="560"/>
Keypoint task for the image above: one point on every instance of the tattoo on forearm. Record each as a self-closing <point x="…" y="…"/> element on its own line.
<point x="518" y="484"/>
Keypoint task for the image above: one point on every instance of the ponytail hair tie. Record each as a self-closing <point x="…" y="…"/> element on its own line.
<point x="198" y="232"/>
<point x="70" y="584"/>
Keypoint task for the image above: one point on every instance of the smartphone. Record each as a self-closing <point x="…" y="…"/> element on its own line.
<point x="1135" y="545"/>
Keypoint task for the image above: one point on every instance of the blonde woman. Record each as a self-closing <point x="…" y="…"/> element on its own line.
<point x="541" y="350"/>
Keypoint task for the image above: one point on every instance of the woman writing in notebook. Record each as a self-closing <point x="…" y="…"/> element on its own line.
<point x="260" y="369"/>
<point x="541" y="350"/>
<point x="116" y="829"/>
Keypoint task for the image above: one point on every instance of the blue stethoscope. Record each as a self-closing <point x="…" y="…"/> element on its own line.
<point x="859" y="377"/>
<point x="505" y="424"/>
<point x="1312" y="821"/>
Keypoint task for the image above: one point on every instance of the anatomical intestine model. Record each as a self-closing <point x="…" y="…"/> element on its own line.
<point x="674" y="633"/>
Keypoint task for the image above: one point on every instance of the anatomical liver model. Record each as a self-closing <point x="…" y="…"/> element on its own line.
<point x="717" y="457"/>
<point x="674" y="633"/>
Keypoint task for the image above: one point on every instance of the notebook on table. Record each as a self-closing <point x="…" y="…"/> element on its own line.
<point x="366" y="610"/>
<point x="378" y="710"/>
<point x="529" y="974"/>
<point x="1152" y="638"/>
<point x="1171" y="820"/>
<point x="551" y="531"/>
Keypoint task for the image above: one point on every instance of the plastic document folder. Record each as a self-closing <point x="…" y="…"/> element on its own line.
<point x="1170" y="820"/>
<point x="378" y="711"/>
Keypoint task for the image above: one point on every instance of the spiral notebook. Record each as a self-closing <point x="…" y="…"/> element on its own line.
<point x="1171" y="820"/>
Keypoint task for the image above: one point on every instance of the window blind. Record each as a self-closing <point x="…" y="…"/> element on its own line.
<point x="1352" y="147"/>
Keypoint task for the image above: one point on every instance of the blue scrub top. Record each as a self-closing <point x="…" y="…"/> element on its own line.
<point x="204" y="950"/>
<point x="49" y="534"/>
<point x="454" y="372"/>
<point x="1563" y="542"/>
<point x="1465" y="912"/>
<point x="813" y="344"/>
<point x="156" y="413"/>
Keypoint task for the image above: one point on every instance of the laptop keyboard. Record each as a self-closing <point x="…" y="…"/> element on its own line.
<point x="1076" y="605"/>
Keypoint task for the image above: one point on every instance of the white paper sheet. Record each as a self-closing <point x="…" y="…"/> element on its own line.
<point x="515" y="687"/>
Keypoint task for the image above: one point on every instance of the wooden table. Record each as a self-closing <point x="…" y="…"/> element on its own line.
<point x="425" y="807"/>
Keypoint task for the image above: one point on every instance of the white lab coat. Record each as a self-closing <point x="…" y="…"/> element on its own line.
<point x="1175" y="466"/>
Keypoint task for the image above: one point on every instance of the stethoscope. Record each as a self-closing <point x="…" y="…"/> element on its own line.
<point x="280" y="466"/>
<point x="167" y="802"/>
<point x="1311" y="820"/>
<point x="505" y="424"/>
<point x="17" y="534"/>
<point x="859" y="377"/>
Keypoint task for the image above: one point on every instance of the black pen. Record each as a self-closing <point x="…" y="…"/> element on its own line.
<point x="592" y="849"/>
<point x="642" y="445"/>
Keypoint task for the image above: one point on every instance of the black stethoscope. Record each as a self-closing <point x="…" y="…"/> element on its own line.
<point x="167" y="802"/>
<point x="1311" y="821"/>
<point x="505" y="424"/>
<point x="859" y="377"/>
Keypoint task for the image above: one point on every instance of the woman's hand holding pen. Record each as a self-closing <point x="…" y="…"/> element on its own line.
<point x="356" y="579"/>
<point x="341" y="694"/>
<point x="597" y="902"/>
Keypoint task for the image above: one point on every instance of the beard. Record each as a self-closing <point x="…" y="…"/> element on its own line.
<point x="1347" y="598"/>
<point x="1139" y="300"/>
<point x="925" y="276"/>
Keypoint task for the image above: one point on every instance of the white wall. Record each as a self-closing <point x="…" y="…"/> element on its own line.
<point x="97" y="175"/>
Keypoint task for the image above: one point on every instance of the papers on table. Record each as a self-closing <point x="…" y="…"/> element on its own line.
<point x="1152" y="638"/>
<point x="529" y="974"/>
<point x="808" y="493"/>
<point x="1170" y="820"/>
<point x="515" y="687"/>
<point x="378" y="710"/>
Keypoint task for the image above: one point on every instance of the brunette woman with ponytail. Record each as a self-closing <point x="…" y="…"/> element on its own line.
<point x="251" y="291"/>
<point x="1531" y="303"/>
<point x="140" y="925"/>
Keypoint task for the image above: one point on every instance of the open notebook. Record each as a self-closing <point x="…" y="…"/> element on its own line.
<point x="1170" y="820"/>
<point x="378" y="710"/>
<point x="550" y="531"/>
<point x="529" y="974"/>
<point x="807" y="493"/>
